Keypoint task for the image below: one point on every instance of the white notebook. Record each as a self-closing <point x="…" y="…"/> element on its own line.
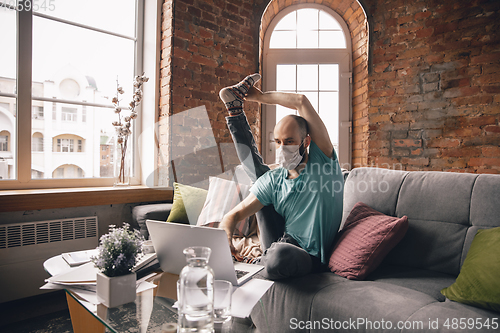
<point x="79" y="257"/>
<point x="84" y="274"/>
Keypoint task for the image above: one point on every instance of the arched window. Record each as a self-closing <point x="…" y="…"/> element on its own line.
<point x="307" y="49"/>
<point x="4" y="141"/>
<point x="68" y="171"/>
<point x="37" y="142"/>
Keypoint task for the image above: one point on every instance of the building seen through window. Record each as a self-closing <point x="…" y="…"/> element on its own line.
<point x="79" y="52"/>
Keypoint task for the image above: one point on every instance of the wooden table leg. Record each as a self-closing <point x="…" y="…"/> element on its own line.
<point x="81" y="319"/>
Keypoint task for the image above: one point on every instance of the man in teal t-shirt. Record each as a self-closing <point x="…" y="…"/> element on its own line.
<point x="305" y="187"/>
<point x="310" y="204"/>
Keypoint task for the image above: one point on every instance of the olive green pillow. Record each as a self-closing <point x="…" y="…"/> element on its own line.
<point x="188" y="203"/>
<point x="478" y="283"/>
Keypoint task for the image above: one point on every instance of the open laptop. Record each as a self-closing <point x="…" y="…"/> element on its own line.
<point x="170" y="239"/>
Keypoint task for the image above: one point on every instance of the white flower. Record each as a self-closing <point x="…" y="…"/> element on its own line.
<point x="139" y="80"/>
<point x="120" y="90"/>
<point x="118" y="251"/>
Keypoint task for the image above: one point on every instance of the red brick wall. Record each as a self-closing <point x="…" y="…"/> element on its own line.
<point x="207" y="45"/>
<point x="434" y="85"/>
<point x="428" y="100"/>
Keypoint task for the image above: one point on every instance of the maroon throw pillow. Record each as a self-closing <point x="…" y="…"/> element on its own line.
<point x="367" y="237"/>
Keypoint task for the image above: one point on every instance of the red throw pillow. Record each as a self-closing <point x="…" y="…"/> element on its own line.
<point x="365" y="240"/>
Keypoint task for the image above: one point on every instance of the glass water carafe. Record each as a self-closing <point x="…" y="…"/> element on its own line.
<point x="196" y="292"/>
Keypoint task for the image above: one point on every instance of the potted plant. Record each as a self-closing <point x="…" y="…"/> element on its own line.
<point x="117" y="254"/>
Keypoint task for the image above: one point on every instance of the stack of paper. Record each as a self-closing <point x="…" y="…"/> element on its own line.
<point x="79" y="257"/>
<point x="82" y="277"/>
<point x="82" y="280"/>
<point x="147" y="260"/>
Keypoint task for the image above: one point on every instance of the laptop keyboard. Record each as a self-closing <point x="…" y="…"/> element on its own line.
<point x="239" y="273"/>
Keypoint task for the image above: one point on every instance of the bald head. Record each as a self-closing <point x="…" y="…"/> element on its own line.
<point x="293" y="124"/>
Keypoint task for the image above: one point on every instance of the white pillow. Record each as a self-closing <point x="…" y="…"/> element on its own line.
<point x="223" y="195"/>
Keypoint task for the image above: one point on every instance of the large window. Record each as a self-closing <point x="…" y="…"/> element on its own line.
<point x="307" y="51"/>
<point x="308" y="28"/>
<point x="59" y="69"/>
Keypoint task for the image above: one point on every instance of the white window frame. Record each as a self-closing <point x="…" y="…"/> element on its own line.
<point x="343" y="57"/>
<point x="147" y="59"/>
<point x="69" y="114"/>
<point x="37" y="144"/>
<point x="65" y="146"/>
<point x="37" y="112"/>
<point x="4" y="143"/>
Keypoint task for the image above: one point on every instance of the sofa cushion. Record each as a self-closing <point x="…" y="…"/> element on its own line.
<point x="365" y="240"/>
<point x="291" y="298"/>
<point x="367" y="304"/>
<point x="449" y="316"/>
<point x="437" y="205"/>
<point x="478" y="283"/>
<point x="378" y="188"/>
<point x="484" y="209"/>
<point x="436" y="196"/>
<point x="423" y="280"/>
<point x="187" y="205"/>
<point x="158" y="212"/>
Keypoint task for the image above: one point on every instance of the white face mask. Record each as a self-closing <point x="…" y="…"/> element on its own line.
<point x="288" y="156"/>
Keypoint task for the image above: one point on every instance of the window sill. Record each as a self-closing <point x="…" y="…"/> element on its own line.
<point x="19" y="200"/>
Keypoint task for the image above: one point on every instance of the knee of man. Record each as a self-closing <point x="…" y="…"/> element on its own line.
<point x="286" y="260"/>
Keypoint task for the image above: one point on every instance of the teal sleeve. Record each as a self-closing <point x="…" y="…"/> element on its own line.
<point x="318" y="153"/>
<point x="262" y="189"/>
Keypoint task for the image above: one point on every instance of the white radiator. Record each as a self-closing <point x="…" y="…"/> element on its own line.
<point x="25" y="246"/>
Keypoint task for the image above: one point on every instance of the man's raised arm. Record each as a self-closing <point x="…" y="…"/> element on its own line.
<point x="299" y="102"/>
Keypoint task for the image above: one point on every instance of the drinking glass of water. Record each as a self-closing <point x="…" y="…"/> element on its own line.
<point x="223" y="291"/>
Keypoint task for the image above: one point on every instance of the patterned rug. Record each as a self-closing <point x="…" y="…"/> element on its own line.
<point x="57" y="322"/>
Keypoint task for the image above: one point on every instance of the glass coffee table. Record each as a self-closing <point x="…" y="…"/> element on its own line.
<point x="152" y="310"/>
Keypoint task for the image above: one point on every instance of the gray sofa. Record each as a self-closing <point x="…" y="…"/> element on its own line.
<point x="444" y="210"/>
